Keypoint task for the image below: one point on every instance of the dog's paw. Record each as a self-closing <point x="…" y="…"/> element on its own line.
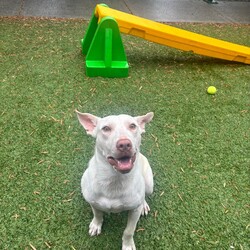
<point x="95" y="228"/>
<point x="145" y="209"/>
<point x="129" y="246"/>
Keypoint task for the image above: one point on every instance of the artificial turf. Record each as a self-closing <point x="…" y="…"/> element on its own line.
<point x="197" y="144"/>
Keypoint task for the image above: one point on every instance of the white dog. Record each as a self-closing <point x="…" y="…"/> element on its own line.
<point x="118" y="175"/>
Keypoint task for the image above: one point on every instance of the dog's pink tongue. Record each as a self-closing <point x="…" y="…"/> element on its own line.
<point x="124" y="165"/>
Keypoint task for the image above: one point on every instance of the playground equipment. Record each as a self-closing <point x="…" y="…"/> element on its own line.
<point x="105" y="54"/>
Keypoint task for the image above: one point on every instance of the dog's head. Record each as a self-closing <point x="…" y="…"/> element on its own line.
<point x="118" y="138"/>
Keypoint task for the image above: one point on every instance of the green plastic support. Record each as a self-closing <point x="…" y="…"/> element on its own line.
<point x="86" y="41"/>
<point x="103" y="47"/>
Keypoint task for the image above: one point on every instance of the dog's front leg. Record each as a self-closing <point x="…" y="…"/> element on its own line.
<point x="127" y="238"/>
<point x="95" y="226"/>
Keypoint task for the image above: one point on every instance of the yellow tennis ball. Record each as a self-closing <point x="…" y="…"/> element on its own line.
<point x="211" y="90"/>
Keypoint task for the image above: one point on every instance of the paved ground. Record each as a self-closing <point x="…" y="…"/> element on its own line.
<point x="225" y="11"/>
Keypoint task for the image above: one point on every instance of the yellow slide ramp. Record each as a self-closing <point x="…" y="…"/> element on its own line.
<point x="175" y="37"/>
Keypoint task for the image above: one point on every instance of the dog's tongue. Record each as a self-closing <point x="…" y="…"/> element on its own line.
<point x="123" y="165"/>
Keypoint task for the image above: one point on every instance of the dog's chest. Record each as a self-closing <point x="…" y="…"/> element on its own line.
<point x="114" y="196"/>
<point x="116" y="205"/>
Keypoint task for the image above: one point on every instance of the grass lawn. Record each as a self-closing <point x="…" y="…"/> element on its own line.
<point x="197" y="144"/>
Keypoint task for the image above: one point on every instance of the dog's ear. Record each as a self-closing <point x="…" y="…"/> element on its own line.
<point x="88" y="121"/>
<point x="142" y="120"/>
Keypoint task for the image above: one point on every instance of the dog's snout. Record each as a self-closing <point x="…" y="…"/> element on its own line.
<point x="124" y="145"/>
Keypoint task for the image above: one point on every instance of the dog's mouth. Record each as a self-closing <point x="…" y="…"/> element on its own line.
<point x="123" y="164"/>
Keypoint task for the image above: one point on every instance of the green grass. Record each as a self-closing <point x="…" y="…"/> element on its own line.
<point x="197" y="144"/>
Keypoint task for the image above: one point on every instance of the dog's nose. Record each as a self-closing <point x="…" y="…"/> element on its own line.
<point x="124" y="145"/>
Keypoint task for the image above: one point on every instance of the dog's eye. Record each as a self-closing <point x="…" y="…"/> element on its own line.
<point x="132" y="126"/>
<point x="106" y="129"/>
